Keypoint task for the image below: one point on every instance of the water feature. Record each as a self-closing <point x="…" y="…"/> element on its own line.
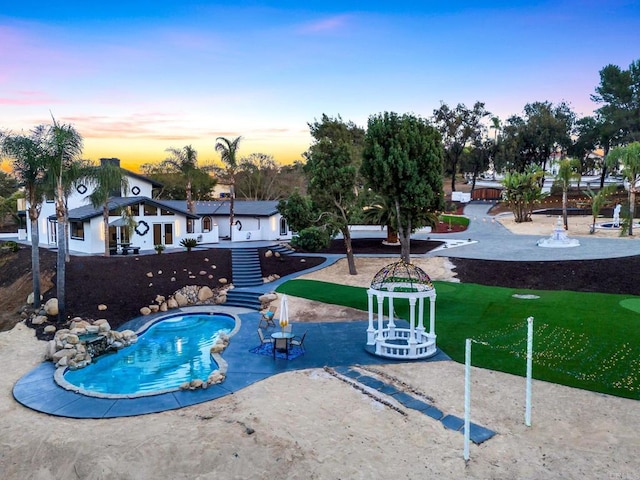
<point x="170" y="352"/>
<point x="558" y="238"/>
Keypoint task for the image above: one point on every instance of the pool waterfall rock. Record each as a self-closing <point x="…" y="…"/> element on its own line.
<point x="218" y="375"/>
<point x="75" y="347"/>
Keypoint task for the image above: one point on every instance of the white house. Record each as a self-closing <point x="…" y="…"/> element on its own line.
<point x="157" y="222"/>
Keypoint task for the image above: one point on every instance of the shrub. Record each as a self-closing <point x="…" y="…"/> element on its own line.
<point x="10" y="245"/>
<point x="189" y="243"/>
<point x="311" y="239"/>
<point x="159" y="248"/>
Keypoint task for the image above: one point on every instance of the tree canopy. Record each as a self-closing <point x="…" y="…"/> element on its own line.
<point x="403" y="162"/>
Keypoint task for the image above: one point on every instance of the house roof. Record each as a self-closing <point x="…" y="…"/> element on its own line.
<point x="251" y="208"/>
<point x="154" y="183"/>
<point x="87" y="212"/>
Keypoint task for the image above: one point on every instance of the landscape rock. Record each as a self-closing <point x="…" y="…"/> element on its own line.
<point x="205" y="293"/>
<point x="102" y="307"/>
<point x="51" y="307"/>
<point x="145" y="311"/>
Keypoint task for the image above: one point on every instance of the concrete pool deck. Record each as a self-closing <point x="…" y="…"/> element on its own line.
<point x="38" y="390"/>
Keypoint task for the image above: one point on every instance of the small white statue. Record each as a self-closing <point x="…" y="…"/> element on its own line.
<point x="616" y="215"/>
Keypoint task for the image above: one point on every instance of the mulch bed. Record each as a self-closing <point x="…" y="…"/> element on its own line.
<point x="126" y="283"/>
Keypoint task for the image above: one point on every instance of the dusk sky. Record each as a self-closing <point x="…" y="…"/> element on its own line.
<point x="138" y="77"/>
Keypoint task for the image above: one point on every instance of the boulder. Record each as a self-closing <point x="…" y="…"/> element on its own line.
<point x="154" y="308"/>
<point x="102" y="307"/>
<point x="202" y="272"/>
<point x="31" y="298"/>
<point x="181" y="299"/>
<point x="164" y="307"/>
<point x="268" y="254"/>
<point x="145" y="311"/>
<point x="93" y="328"/>
<point x="204" y="293"/>
<point x="223" y="281"/>
<point x="149" y="274"/>
<point x="160" y="299"/>
<point x="50" y="329"/>
<point x="172" y="303"/>
<point x="39" y="320"/>
<point x="51" y="307"/>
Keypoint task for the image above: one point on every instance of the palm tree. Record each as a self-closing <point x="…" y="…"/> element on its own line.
<point x="185" y="161"/>
<point x="107" y="178"/>
<point x="629" y="158"/>
<point x="29" y="167"/>
<point x="63" y="148"/>
<point x="566" y="173"/>
<point x="228" y="149"/>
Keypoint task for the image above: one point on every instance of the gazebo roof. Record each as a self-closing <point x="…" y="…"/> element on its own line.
<point x="402" y="277"/>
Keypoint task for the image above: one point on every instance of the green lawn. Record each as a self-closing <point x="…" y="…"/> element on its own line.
<point x="585" y="340"/>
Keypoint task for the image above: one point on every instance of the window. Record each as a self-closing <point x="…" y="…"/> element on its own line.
<point x="206" y="224"/>
<point x="150" y="210"/>
<point x="77" y="230"/>
<point x="164" y="211"/>
<point x="190" y="225"/>
<point x="134" y="210"/>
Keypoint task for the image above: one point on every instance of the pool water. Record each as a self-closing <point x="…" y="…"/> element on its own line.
<point x="170" y="352"/>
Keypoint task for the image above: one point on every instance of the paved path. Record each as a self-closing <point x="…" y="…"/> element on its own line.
<point x="492" y="241"/>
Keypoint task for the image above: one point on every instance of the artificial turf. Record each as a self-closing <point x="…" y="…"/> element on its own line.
<point x="584" y="340"/>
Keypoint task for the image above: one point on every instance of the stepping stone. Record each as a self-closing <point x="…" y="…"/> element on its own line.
<point x="452" y="422"/>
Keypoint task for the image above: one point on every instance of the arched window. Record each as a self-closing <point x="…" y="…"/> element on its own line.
<point x="206" y="224"/>
<point x="283" y="226"/>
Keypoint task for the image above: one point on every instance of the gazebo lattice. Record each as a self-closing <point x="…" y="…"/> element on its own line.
<point x="402" y="280"/>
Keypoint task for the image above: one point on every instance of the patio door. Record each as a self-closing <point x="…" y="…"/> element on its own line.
<point x="163" y="234"/>
<point x="52" y="232"/>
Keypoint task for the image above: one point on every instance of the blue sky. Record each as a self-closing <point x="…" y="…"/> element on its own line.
<point x="138" y="77"/>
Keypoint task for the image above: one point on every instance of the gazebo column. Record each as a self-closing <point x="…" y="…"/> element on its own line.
<point x="370" y="329"/>
<point x="392" y="322"/>
<point x="379" y="337"/>
<point x="432" y="315"/>
<point x="420" y="327"/>
<point x="412" y="327"/>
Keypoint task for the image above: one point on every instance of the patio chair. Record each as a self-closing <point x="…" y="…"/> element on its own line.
<point x="262" y="339"/>
<point x="267" y="317"/>
<point x="298" y="341"/>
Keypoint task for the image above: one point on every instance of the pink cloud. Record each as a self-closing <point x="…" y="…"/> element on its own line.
<point x="27" y="98"/>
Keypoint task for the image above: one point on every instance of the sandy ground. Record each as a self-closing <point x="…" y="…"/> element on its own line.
<point x="543" y="225"/>
<point x="311" y="425"/>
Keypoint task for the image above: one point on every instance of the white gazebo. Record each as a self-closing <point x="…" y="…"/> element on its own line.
<point x="404" y="281"/>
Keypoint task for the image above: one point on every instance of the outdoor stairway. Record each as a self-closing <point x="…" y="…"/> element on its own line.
<point x="245" y="267"/>
<point x="477" y="433"/>
<point x="243" y="298"/>
<point x="281" y="249"/>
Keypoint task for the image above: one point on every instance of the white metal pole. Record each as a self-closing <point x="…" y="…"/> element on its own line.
<point x="467" y="396"/>
<point x="527" y="411"/>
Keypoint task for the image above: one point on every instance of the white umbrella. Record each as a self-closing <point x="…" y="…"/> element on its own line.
<point x="284" y="312"/>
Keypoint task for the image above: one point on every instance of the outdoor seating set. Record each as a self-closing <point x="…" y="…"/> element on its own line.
<point x="281" y="341"/>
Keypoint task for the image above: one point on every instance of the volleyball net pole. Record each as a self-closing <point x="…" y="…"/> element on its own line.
<point x="467" y="386"/>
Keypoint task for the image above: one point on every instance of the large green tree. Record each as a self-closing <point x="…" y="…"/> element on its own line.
<point x="228" y="150"/>
<point x="29" y="165"/>
<point x="530" y="140"/>
<point x="628" y="158"/>
<point x="403" y="161"/>
<point x="619" y="96"/>
<point x="257" y="178"/>
<point x="106" y="179"/>
<point x="332" y="172"/>
<point x="459" y="127"/>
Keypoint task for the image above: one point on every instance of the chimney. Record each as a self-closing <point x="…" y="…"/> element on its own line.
<point x="114" y="161"/>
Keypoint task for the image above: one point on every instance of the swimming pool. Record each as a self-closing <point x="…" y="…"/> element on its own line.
<point x="170" y="352"/>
